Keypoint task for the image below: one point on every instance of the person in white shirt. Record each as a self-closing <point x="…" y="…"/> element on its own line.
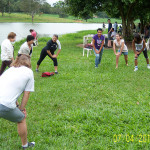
<point x="7" y="51"/>
<point x="122" y="49"/>
<point x="16" y="80"/>
<point x="27" y="47"/>
<point x="139" y="46"/>
<point x="113" y="34"/>
<point x="49" y="50"/>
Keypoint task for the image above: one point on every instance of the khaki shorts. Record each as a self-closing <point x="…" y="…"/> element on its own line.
<point x="14" y="115"/>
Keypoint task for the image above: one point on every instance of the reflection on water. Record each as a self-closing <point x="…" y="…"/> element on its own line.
<point x="43" y="29"/>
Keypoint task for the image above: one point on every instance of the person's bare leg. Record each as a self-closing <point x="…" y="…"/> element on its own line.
<point x="117" y="60"/>
<point x="136" y="62"/>
<point x="109" y="43"/>
<point x="126" y="59"/>
<point x="147" y="60"/>
<point x="22" y="131"/>
<point x="55" y="67"/>
<point x="37" y="67"/>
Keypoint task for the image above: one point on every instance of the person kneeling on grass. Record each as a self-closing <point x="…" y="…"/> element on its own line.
<point x="139" y="46"/>
<point x="13" y="82"/>
<point x="27" y="47"/>
<point x="49" y="50"/>
<point x="122" y="48"/>
<point x="98" y="43"/>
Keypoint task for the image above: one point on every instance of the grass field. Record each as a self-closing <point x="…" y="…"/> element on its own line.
<point x="21" y="17"/>
<point x="83" y="108"/>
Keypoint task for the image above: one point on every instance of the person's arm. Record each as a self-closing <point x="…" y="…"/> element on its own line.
<point x="134" y="50"/>
<point x="59" y="47"/>
<point x="50" y="54"/>
<point x="93" y="44"/>
<point x="58" y="52"/>
<point x="114" y="48"/>
<point x="122" y="46"/>
<point x="143" y="47"/>
<point x="110" y="30"/>
<point x="24" y="100"/>
<point x="101" y="46"/>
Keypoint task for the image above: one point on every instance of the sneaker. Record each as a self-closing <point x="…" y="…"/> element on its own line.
<point x="37" y="70"/>
<point x="148" y="67"/>
<point x="30" y="144"/>
<point x="56" y="72"/>
<point x="96" y="66"/>
<point x="136" y="69"/>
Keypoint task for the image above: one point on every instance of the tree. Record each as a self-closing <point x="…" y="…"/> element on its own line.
<point x="45" y="8"/>
<point x="83" y="8"/>
<point x="31" y="7"/>
<point x="59" y="7"/>
<point x="3" y="5"/>
<point x="126" y="9"/>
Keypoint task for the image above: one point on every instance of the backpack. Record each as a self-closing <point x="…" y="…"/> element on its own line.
<point x="47" y="74"/>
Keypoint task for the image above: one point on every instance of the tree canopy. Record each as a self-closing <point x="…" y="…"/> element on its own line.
<point x="128" y="10"/>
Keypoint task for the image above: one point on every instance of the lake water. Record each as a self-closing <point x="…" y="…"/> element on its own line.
<point x="44" y="29"/>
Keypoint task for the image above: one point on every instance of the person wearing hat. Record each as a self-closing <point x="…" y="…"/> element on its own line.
<point x="27" y="47"/>
<point x="49" y="50"/>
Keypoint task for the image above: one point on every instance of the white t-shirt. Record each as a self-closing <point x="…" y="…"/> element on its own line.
<point x="24" y="49"/>
<point x="139" y="46"/>
<point x="113" y="35"/>
<point x="58" y="43"/>
<point x="125" y="49"/>
<point x="13" y="82"/>
<point x="7" y="50"/>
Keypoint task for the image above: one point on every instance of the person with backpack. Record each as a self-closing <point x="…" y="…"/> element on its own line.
<point x="49" y="50"/>
<point x="138" y="45"/>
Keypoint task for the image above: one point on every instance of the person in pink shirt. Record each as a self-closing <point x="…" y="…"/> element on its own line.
<point x="34" y="34"/>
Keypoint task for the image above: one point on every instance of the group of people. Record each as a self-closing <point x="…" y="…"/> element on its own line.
<point x="138" y="45"/>
<point x="20" y="72"/>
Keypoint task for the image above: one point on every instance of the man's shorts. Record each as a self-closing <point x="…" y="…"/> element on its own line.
<point x="14" y="115"/>
<point x="124" y="53"/>
<point x="109" y="36"/>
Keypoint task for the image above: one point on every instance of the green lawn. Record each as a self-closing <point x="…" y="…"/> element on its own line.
<point x="83" y="108"/>
<point x="21" y="17"/>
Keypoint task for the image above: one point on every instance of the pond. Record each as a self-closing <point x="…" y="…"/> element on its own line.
<point x="44" y="29"/>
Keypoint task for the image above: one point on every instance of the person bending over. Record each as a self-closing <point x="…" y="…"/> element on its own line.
<point x="27" y="47"/>
<point x="138" y="45"/>
<point x="122" y="49"/>
<point x="98" y="46"/>
<point x="16" y="80"/>
<point x="49" y="50"/>
<point x="7" y="51"/>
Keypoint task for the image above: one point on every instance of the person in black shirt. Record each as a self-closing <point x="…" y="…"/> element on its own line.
<point x="49" y="50"/>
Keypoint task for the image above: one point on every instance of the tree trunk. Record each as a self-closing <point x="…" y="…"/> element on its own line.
<point x="124" y="26"/>
<point x="32" y="18"/>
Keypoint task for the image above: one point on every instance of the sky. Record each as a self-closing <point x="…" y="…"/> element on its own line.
<point x="53" y="1"/>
